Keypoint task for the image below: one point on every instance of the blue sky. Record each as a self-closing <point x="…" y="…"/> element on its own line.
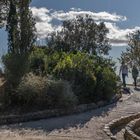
<point x="120" y="16"/>
<point x="127" y="8"/>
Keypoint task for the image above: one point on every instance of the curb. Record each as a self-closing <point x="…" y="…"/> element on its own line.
<point x="11" y="119"/>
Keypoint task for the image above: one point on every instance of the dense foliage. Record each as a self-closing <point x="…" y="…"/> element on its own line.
<point x="132" y="53"/>
<point x="39" y="91"/>
<point x="3" y="12"/>
<point x="79" y="70"/>
<point x="15" y="67"/>
<point x="92" y="78"/>
<point x="81" y="34"/>
<point x="37" y="61"/>
<point x="106" y="86"/>
<point x="71" y="69"/>
<point x="20" y="27"/>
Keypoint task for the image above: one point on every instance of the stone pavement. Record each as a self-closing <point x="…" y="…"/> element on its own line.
<point x="84" y="126"/>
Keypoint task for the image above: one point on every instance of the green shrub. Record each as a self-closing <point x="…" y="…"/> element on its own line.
<point x="79" y="70"/>
<point x="39" y="91"/>
<point x="92" y="78"/>
<point x="38" y="61"/>
<point x="31" y="90"/>
<point x="106" y="86"/>
<point x="15" y="67"/>
<point x="61" y="94"/>
<point x="52" y="61"/>
<point x="110" y="83"/>
<point x="44" y="62"/>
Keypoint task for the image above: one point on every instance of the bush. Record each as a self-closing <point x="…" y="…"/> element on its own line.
<point x="79" y="70"/>
<point x="106" y="86"/>
<point x="38" y="61"/>
<point x="39" y="91"/>
<point x="61" y="95"/>
<point x="42" y="61"/>
<point x="31" y="89"/>
<point x="15" y="67"/>
<point x="110" y="84"/>
<point x="92" y="78"/>
<point x="52" y="61"/>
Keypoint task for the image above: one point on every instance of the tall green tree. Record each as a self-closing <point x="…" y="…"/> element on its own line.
<point x="132" y="53"/>
<point x="3" y="12"/>
<point x="20" y="27"/>
<point x="12" y="28"/>
<point x="27" y="27"/>
<point x="81" y="34"/>
<point x="21" y="38"/>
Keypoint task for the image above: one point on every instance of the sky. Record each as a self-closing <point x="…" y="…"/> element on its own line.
<point x="120" y="16"/>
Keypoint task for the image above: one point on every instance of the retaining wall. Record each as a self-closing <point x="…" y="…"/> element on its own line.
<point x="131" y="130"/>
<point x="109" y="128"/>
<point x="53" y="113"/>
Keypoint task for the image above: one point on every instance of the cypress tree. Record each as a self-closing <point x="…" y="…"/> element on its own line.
<point x="21" y="37"/>
<point x="3" y="12"/>
<point x="12" y="28"/>
<point x="20" y="27"/>
<point x="27" y="27"/>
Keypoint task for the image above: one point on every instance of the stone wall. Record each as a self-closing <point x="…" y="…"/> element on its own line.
<point x="109" y="128"/>
<point x="131" y="130"/>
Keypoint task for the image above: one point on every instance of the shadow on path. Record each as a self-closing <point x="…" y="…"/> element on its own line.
<point x="65" y="122"/>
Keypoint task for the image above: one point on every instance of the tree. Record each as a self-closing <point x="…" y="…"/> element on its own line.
<point x="81" y="34"/>
<point x="12" y="28"/>
<point x="27" y="27"/>
<point x="20" y="27"/>
<point x="3" y="11"/>
<point x="21" y="37"/>
<point x="132" y="54"/>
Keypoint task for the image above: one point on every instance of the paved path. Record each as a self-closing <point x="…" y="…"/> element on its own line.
<point x="84" y="126"/>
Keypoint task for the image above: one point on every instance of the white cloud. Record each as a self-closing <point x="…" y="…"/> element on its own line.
<point x="43" y="29"/>
<point x="119" y="36"/>
<point x="104" y="16"/>
<point x="41" y="14"/>
<point x="50" y="20"/>
<point x="43" y="21"/>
